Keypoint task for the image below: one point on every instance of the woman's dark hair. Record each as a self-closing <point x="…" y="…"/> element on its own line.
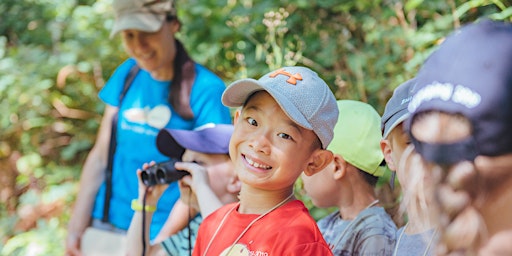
<point x="184" y="75"/>
<point x="181" y="86"/>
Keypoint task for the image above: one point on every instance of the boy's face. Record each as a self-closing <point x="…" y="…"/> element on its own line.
<point x="322" y="187"/>
<point x="268" y="149"/>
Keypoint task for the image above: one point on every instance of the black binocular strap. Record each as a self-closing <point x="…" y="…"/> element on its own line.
<point x="112" y="146"/>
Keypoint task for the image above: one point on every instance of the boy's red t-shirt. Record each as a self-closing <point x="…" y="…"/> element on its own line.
<point x="288" y="230"/>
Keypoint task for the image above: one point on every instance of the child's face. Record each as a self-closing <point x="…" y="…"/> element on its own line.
<point x="396" y="142"/>
<point x="322" y="187"/>
<point x="217" y="167"/>
<point x="268" y="149"/>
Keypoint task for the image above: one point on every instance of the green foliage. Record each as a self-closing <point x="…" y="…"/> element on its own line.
<point x="46" y="239"/>
<point x="56" y="55"/>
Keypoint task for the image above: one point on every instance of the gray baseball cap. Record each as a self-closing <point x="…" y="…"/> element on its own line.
<point x="396" y="111"/>
<point x="300" y="92"/>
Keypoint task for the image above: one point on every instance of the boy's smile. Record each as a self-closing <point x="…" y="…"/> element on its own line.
<point x="268" y="149"/>
<point x="255" y="164"/>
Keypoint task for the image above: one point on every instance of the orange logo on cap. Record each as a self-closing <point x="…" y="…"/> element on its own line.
<point x="292" y="78"/>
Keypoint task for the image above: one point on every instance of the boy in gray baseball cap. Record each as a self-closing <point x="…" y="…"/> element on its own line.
<point x="413" y="238"/>
<point x="394" y="139"/>
<point x="283" y="128"/>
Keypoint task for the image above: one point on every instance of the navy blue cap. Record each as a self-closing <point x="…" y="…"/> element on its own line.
<point x="470" y="74"/>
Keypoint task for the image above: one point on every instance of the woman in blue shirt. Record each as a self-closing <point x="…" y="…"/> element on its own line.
<point x="168" y="91"/>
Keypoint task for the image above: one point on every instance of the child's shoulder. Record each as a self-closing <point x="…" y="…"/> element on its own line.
<point x="375" y="218"/>
<point x="293" y="213"/>
<point x="294" y="218"/>
<point x="294" y="205"/>
<point x="223" y="210"/>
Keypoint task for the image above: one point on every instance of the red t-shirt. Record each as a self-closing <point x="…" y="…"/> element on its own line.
<point x="288" y="230"/>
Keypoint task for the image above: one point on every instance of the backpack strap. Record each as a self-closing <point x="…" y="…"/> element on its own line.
<point x="112" y="146"/>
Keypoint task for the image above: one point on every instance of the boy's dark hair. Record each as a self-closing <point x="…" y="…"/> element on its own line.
<point x="249" y="98"/>
<point x="370" y="179"/>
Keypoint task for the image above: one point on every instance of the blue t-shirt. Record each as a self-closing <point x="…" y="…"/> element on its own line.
<point x="144" y="111"/>
<point x="415" y="244"/>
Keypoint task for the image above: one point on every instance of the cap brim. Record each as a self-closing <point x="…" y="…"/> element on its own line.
<point x="148" y="22"/>
<point x="168" y="145"/>
<point x="236" y="95"/>
<point x="394" y="121"/>
<point x="212" y="139"/>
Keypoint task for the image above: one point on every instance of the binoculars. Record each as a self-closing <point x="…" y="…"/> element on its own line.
<point x="162" y="173"/>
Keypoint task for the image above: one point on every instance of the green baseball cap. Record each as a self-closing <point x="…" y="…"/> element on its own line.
<point x="357" y="136"/>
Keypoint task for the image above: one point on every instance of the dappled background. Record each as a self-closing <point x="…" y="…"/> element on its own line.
<point x="56" y="55"/>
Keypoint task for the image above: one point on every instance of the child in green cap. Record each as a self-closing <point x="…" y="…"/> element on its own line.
<point x="360" y="226"/>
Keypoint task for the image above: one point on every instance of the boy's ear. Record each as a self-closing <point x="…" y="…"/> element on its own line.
<point x="234" y="185"/>
<point x="236" y="116"/>
<point x="340" y="167"/>
<point x="319" y="160"/>
<point x="385" y="146"/>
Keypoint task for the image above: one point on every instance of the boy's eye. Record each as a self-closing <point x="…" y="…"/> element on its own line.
<point x="285" y="136"/>
<point x="127" y="34"/>
<point x="251" y="121"/>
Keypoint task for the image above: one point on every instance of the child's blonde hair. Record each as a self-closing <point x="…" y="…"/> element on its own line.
<point x="453" y="189"/>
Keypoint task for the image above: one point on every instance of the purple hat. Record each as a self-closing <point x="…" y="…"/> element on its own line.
<point x="209" y="139"/>
<point x="470" y="74"/>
